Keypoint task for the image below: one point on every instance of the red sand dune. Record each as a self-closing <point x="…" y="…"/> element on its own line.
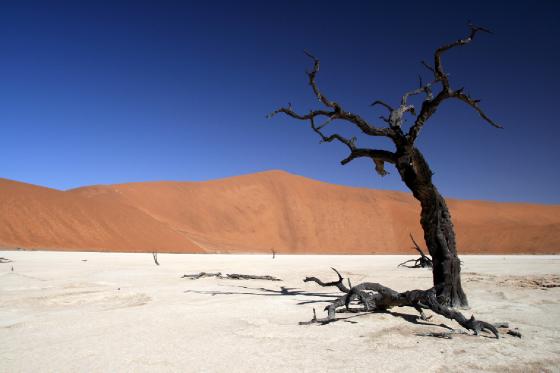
<point x="256" y="213"/>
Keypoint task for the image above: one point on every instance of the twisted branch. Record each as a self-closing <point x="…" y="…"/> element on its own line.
<point x="376" y="297"/>
<point x="439" y="73"/>
<point x="334" y="111"/>
<point x="474" y="104"/>
<point x="429" y="106"/>
<point x="379" y="157"/>
<point x="337" y="111"/>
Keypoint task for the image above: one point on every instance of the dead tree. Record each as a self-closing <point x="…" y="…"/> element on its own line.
<point x="407" y="158"/>
<point x="154" y="254"/>
<point x="422" y="262"/>
<point x="374" y="297"/>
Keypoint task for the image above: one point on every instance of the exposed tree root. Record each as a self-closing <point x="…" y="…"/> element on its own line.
<point x="376" y="297"/>
<point x="422" y="262"/>
<point x="230" y="276"/>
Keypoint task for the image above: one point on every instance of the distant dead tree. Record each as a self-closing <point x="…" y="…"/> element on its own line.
<point x="155" y="254"/>
<point x="422" y="262"/>
<point x="413" y="168"/>
<point x="273" y="254"/>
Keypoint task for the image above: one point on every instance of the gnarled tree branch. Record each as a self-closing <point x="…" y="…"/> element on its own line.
<point x="439" y="73"/>
<point x="379" y="157"/>
<point x="396" y="115"/>
<point x="429" y="106"/>
<point x="382" y="103"/>
<point x="474" y="104"/>
<point x="376" y="297"/>
<point x="337" y="111"/>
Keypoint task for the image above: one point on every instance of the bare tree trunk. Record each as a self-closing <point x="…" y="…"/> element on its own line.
<point x="438" y="228"/>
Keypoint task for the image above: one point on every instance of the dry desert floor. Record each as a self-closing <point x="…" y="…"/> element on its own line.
<point x="112" y="312"/>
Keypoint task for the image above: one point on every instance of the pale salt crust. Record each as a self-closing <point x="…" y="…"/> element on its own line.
<point x="113" y="312"/>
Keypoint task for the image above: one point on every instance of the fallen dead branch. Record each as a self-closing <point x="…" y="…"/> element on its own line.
<point x="514" y="332"/>
<point x="375" y="297"/>
<point x="443" y="335"/>
<point x="230" y="276"/>
<point x="5" y="260"/>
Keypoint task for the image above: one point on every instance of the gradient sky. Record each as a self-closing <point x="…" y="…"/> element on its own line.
<point x="116" y="91"/>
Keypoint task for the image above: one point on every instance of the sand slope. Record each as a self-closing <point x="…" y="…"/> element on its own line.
<point x="261" y="212"/>
<point x="37" y="217"/>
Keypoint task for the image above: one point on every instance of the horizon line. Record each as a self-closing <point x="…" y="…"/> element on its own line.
<point x="269" y="171"/>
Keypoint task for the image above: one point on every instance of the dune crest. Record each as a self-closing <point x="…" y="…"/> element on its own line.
<point x="255" y="213"/>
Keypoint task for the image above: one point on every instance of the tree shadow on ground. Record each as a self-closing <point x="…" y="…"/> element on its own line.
<point x="413" y="319"/>
<point x="283" y="291"/>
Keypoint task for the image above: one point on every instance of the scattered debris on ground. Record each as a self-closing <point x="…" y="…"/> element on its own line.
<point x="532" y="282"/>
<point x="230" y="276"/>
<point x="544" y="282"/>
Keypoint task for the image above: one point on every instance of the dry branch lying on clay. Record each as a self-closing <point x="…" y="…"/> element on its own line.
<point x="423" y="262"/>
<point x="230" y="276"/>
<point x="375" y="297"/>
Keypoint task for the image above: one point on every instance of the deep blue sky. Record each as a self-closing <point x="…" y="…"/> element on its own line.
<point x="111" y="91"/>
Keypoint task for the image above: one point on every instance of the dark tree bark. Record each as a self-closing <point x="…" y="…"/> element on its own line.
<point x="439" y="234"/>
<point x="375" y="297"/>
<point x="413" y="169"/>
